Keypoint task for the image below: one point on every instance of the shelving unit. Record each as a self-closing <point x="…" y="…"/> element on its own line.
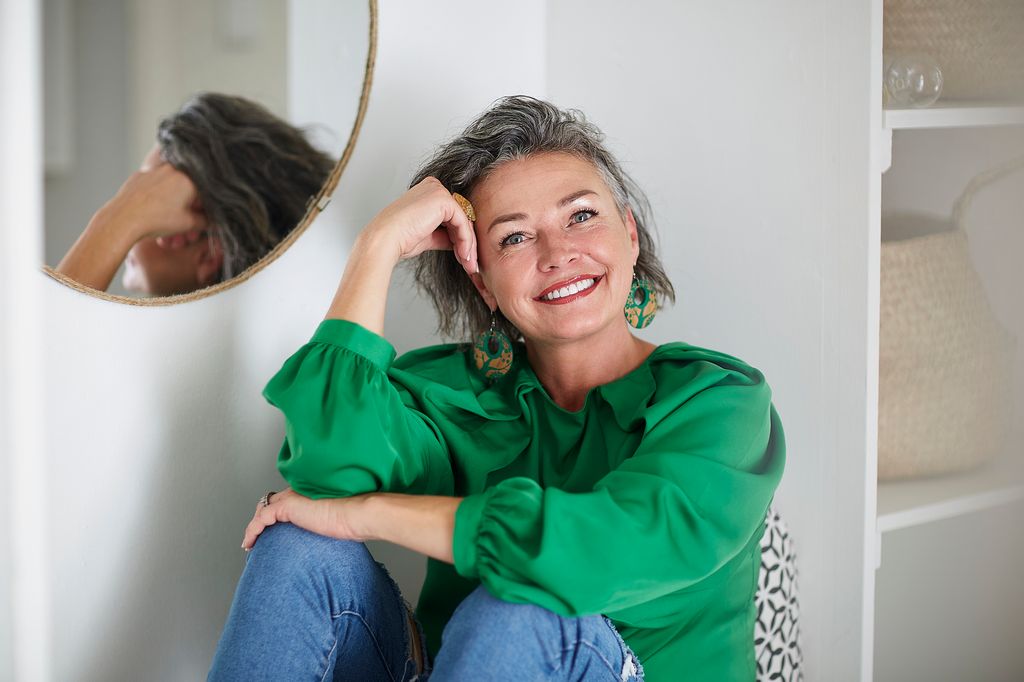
<point x="903" y="504"/>
<point x="930" y="521"/>
<point x="954" y="115"/>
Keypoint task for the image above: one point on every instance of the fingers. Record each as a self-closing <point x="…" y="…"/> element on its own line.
<point x="275" y="511"/>
<point x="266" y="516"/>
<point x="461" y="233"/>
<point x="181" y="239"/>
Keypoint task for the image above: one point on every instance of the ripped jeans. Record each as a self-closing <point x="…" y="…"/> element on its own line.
<point x="309" y="607"/>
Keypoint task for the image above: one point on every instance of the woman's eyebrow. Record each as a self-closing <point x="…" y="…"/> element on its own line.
<point x="565" y="201"/>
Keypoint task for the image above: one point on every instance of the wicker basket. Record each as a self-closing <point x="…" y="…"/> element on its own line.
<point x="945" y="393"/>
<point x="977" y="43"/>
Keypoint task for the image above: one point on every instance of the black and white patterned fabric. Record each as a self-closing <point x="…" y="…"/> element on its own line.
<point x="777" y="630"/>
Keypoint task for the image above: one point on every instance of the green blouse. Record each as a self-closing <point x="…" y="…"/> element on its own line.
<point x="647" y="505"/>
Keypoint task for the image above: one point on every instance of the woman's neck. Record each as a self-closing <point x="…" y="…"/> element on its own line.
<point x="568" y="371"/>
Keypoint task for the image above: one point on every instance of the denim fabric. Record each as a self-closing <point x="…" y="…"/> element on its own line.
<point x="313" y="608"/>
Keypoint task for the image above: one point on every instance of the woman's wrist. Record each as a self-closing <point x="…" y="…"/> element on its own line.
<point x="374" y="243"/>
<point x="422" y="523"/>
<point x="115" y="228"/>
<point x="96" y="255"/>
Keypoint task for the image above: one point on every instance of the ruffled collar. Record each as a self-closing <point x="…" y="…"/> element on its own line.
<point x="628" y="396"/>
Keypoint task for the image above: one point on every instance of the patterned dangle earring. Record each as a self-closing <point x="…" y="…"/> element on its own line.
<point x="641" y="305"/>
<point x="493" y="352"/>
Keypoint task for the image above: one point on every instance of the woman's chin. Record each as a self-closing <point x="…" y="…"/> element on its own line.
<point x="570" y="330"/>
<point x="134" y="282"/>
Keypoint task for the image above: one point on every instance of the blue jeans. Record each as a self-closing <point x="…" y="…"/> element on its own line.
<point x="309" y="607"/>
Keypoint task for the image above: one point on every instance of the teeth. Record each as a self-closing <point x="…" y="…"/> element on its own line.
<point x="574" y="288"/>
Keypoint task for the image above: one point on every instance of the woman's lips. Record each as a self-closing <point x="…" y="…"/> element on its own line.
<point x="571" y="297"/>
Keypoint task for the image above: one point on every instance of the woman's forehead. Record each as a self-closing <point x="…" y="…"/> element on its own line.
<point x="537" y="179"/>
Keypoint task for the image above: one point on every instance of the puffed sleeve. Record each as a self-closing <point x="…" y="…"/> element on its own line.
<point x="348" y="428"/>
<point x="692" y="497"/>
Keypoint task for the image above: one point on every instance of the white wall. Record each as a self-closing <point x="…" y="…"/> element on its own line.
<point x="160" y="441"/>
<point x="747" y="123"/>
<point x="727" y="114"/>
<point x="24" y="593"/>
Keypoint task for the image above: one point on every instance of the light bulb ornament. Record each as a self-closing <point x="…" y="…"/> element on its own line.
<point x="641" y="304"/>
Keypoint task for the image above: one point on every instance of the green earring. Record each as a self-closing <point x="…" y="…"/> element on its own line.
<point x="641" y="305"/>
<point x="493" y="352"/>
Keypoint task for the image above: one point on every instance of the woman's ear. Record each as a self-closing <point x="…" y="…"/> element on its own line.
<point x="485" y="293"/>
<point x="209" y="261"/>
<point x="631" y="229"/>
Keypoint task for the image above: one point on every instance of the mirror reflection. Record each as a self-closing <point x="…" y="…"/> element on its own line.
<point x="182" y="142"/>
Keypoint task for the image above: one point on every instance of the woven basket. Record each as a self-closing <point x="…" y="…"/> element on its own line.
<point x="945" y="389"/>
<point x="978" y="44"/>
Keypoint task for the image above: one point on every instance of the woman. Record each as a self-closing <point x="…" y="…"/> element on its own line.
<point x="569" y="482"/>
<point x="226" y="181"/>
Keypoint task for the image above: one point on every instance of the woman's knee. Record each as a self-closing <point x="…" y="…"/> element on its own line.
<point x="526" y="640"/>
<point x="481" y="614"/>
<point x="292" y="550"/>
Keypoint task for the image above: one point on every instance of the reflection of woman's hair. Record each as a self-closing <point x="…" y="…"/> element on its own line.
<point x="253" y="171"/>
<point x="515" y="128"/>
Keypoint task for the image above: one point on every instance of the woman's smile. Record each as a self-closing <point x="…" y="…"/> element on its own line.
<point x="569" y="290"/>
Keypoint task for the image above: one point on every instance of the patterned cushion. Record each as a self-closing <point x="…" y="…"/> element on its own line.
<point x="777" y="630"/>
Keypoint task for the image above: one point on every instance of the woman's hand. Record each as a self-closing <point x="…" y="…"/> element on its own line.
<point x="156" y="202"/>
<point x="332" y="517"/>
<point x="425" y="218"/>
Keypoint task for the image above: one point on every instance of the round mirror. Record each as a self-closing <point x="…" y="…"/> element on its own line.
<point x="187" y="143"/>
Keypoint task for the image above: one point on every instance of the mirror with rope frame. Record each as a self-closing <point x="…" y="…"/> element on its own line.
<point x="187" y="143"/>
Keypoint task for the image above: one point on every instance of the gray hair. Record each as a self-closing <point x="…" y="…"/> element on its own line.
<point x="254" y="172"/>
<point x="515" y="128"/>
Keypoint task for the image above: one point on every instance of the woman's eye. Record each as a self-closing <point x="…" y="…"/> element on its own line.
<point x="582" y="216"/>
<point x="513" y="239"/>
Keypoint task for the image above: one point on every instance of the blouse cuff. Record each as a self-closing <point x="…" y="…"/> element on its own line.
<point x="357" y="339"/>
<point x="468" y="516"/>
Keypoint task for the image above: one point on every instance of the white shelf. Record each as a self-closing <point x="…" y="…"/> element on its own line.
<point x="903" y="504"/>
<point x="950" y="115"/>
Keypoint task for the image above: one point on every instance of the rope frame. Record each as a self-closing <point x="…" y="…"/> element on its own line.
<point x="314" y="207"/>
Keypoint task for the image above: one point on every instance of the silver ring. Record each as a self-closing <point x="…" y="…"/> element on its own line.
<point x="265" y="500"/>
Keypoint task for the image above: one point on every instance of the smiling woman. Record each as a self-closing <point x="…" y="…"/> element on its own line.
<point x="591" y="504"/>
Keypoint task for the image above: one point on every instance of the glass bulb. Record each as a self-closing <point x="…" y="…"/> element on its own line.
<point x="913" y="80"/>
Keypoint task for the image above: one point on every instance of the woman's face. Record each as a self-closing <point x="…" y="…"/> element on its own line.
<point x="154" y="269"/>
<point x="555" y="255"/>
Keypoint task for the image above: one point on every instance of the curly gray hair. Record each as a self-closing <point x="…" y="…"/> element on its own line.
<point x="515" y="128"/>
<point x="254" y="172"/>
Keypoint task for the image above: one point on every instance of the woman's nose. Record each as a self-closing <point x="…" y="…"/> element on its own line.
<point x="559" y="250"/>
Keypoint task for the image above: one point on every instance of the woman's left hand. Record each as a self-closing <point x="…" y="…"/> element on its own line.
<point x="333" y="517"/>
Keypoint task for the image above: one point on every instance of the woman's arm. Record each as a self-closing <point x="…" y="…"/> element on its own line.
<point x="349" y="429"/>
<point x="425" y="218"/>
<point x="688" y="502"/>
<point x="422" y="523"/>
<point x="150" y="203"/>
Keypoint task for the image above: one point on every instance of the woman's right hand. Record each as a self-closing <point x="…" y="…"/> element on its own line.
<point x="159" y="201"/>
<point x="425" y="218"/>
<point x="156" y="202"/>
